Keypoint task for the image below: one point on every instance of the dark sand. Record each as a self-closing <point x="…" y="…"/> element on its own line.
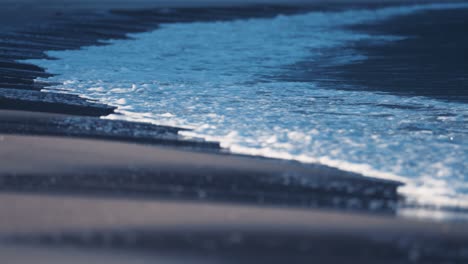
<point x="171" y="168"/>
<point x="227" y="233"/>
<point x="432" y="60"/>
<point x="78" y="189"/>
<point x="59" y="201"/>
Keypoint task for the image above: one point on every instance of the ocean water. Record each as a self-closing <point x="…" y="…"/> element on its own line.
<point x="220" y="79"/>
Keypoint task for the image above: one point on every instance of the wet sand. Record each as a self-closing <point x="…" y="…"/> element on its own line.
<point x="429" y="61"/>
<point x="170" y="168"/>
<point x="73" y="185"/>
<point x="228" y="233"/>
<point x="74" y="198"/>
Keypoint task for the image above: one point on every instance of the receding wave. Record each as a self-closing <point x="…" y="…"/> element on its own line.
<point x="219" y="78"/>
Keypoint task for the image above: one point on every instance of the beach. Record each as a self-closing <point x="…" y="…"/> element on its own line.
<point x="76" y="185"/>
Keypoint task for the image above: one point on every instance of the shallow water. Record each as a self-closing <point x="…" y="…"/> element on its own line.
<point x="220" y="79"/>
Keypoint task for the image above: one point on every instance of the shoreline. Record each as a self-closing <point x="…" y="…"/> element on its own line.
<point x="20" y="92"/>
<point x="83" y="182"/>
<point x="25" y="93"/>
<point x="102" y="166"/>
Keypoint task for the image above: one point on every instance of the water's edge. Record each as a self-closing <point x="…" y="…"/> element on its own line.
<point x="367" y="170"/>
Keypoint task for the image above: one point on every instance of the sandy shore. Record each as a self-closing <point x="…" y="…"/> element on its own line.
<point x="147" y="228"/>
<point x="64" y="197"/>
<point x="73" y="185"/>
<point x="170" y="167"/>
